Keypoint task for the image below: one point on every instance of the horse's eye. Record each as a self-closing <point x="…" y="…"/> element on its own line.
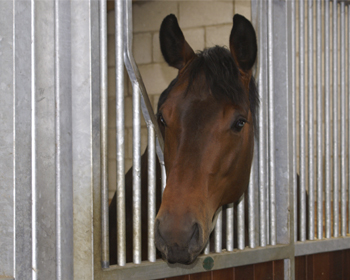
<point x="238" y="125"/>
<point x="162" y="119"/>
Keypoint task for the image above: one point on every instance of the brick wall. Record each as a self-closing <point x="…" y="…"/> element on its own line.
<point x="204" y="24"/>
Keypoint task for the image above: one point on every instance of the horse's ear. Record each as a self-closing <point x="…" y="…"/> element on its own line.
<point x="176" y="51"/>
<point x="243" y="43"/>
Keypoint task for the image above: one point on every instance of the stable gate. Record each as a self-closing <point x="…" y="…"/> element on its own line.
<point x="54" y="192"/>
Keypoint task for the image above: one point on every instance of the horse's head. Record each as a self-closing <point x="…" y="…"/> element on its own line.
<point x="207" y="119"/>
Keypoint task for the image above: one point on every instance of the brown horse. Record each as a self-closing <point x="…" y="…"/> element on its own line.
<point x="206" y="116"/>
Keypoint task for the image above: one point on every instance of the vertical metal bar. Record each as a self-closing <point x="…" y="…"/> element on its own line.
<point x="273" y="236"/>
<point x="335" y="123"/>
<point x="327" y="119"/>
<point x="348" y="81"/>
<point x="240" y="223"/>
<point x="262" y="158"/>
<point x="267" y="194"/>
<point x="311" y="122"/>
<point x="302" y="155"/>
<point x="136" y="171"/>
<point x="218" y="233"/>
<point x="151" y="191"/>
<point x="21" y="83"/>
<point x="319" y="121"/>
<point x="85" y="81"/>
<point x="207" y="248"/>
<point x="147" y="110"/>
<point x="293" y="77"/>
<point x="104" y="133"/>
<point x="162" y="167"/>
<point x="120" y="137"/>
<point x="229" y="227"/>
<point x="342" y="120"/>
<point x="58" y="142"/>
<point x="63" y="88"/>
<point x="33" y="151"/>
<point x="8" y="188"/>
<point x="251" y="210"/>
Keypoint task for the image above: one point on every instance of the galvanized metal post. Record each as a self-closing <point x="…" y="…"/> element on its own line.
<point x="272" y="182"/>
<point x="342" y="121"/>
<point x="302" y="154"/>
<point x="120" y="135"/>
<point x="311" y="182"/>
<point x="335" y="122"/>
<point x="327" y="120"/>
<point x="319" y="113"/>
<point x="104" y="132"/>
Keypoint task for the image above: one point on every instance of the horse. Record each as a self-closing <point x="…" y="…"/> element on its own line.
<point x="207" y="119"/>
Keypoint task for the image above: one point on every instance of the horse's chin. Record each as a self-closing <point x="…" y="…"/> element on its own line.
<point x="187" y="261"/>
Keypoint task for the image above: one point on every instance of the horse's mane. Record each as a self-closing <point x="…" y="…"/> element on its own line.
<point x="222" y="77"/>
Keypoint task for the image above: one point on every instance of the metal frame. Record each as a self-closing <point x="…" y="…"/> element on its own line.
<point x="269" y="233"/>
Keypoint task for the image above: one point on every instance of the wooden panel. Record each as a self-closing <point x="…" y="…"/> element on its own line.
<point x="336" y="265"/>
<point x="201" y="276"/>
<point x="263" y="271"/>
<point x="310" y="267"/>
<point x="321" y="266"/>
<point x="223" y="274"/>
<point x="300" y="268"/>
<point x="278" y="270"/>
<point x="346" y="265"/>
<point x="245" y="272"/>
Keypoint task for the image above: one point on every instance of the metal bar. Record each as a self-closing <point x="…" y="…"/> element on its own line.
<point x="321" y="246"/>
<point x="311" y="122"/>
<point x="207" y="249"/>
<point x="251" y="209"/>
<point x="348" y="16"/>
<point x="335" y="123"/>
<point x="33" y="158"/>
<point x="136" y="173"/>
<point x="294" y="112"/>
<point x="63" y="88"/>
<point x="120" y="134"/>
<point x="240" y="223"/>
<point x="151" y="191"/>
<point x="229" y="227"/>
<point x="261" y="119"/>
<point x="302" y="154"/>
<point x="342" y="120"/>
<point x="104" y="133"/>
<point x="273" y="236"/>
<point x="21" y="125"/>
<point x="85" y="83"/>
<point x="319" y="121"/>
<point x="8" y="188"/>
<point x="160" y="269"/>
<point x="58" y="140"/>
<point x="218" y="233"/>
<point x="139" y="90"/>
<point x="327" y="119"/>
<point x="163" y="170"/>
<point x="135" y="77"/>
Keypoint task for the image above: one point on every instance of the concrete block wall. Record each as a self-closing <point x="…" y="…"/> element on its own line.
<point x="204" y="24"/>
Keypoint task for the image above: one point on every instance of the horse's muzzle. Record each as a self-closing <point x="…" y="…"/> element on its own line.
<point x="179" y="242"/>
